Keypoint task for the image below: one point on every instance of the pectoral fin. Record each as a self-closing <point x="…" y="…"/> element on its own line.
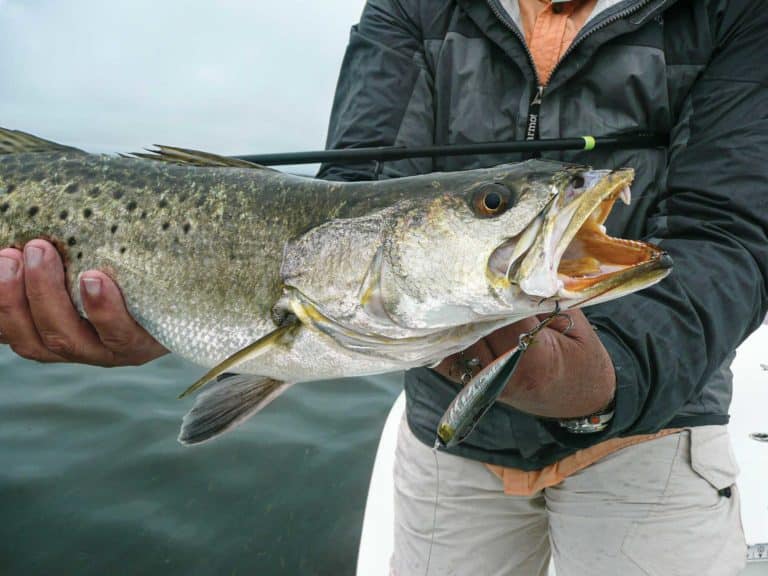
<point x="226" y="404"/>
<point x="280" y="336"/>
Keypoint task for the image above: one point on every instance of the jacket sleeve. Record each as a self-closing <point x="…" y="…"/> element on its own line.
<point x="383" y="96"/>
<point x="668" y="340"/>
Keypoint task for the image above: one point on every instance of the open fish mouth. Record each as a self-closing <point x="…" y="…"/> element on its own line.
<point x="592" y="260"/>
<point x="567" y="254"/>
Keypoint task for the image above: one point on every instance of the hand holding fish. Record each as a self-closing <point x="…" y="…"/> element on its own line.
<point x="563" y="374"/>
<point x="39" y="321"/>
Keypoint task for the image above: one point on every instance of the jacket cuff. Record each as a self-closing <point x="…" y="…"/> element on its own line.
<point x="628" y="401"/>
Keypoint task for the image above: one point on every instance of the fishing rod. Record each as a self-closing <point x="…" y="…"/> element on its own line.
<point x="384" y="153"/>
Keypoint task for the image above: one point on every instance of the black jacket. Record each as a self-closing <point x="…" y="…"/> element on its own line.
<point x="418" y="72"/>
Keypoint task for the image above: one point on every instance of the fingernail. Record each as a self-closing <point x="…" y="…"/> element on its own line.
<point x="8" y="269"/>
<point x="33" y="256"/>
<point x="92" y="286"/>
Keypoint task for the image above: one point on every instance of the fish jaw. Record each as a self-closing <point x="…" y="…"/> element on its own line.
<point x="572" y="259"/>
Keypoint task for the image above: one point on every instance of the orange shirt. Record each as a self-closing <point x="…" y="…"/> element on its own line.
<point x="525" y="483"/>
<point x="549" y="30"/>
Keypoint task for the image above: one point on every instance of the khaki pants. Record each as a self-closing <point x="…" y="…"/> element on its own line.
<point x="658" y="508"/>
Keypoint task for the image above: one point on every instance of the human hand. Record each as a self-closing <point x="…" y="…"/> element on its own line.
<point x="561" y="375"/>
<point x="39" y="321"/>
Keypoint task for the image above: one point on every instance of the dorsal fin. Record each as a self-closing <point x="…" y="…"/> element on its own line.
<point x="17" y="142"/>
<point x="175" y="155"/>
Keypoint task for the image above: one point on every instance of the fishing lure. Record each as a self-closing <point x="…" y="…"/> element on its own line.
<point x="479" y="394"/>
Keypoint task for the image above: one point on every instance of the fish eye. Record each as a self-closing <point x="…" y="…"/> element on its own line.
<point x="490" y="200"/>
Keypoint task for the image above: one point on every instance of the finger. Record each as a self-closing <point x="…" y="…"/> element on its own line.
<point x="16" y="323"/>
<point x="508" y="337"/>
<point x="116" y="329"/>
<point x="59" y="325"/>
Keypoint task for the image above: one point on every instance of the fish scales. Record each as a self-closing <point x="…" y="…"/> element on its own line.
<point x="199" y="257"/>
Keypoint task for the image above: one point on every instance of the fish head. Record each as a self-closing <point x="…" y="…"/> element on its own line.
<point x="479" y="247"/>
<point x="507" y="243"/>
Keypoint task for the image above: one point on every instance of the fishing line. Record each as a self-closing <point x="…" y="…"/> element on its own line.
<point x="524" y="341"/>
<point x="434" y="510"/>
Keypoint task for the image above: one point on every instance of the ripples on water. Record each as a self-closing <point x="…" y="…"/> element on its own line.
<point x="92" y="480"/>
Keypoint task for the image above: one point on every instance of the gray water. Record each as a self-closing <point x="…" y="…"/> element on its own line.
<point x="92" y="480"/>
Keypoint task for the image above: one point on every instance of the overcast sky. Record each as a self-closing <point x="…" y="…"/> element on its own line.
<point x="228" y="76"/>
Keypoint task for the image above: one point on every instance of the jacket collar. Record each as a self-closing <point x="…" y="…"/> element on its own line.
<point x="611" y="18"/>
<point x="512" y="9"/>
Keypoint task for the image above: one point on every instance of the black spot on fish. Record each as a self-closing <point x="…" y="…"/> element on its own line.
<point x="71" y="241"/>
<point x="166" y="225"/>
<point x="87" y="213"/>
<point x="10" y="188"/>
<point x="71" y="188"/>
<point x="122" y="249"/>
<point x="4" y="207"/>
<point x="182" y="198"/>
<point x="113" y="229"/>
<point x="163" y="203"/>
<point x="187" y="226"/>
<point x="63" y="215"/>
<point x="32" y="211"/>
<point x="94" y="192"/>
<point x="79" y="255"/>
<point x="117" y="193"/>
<point x="131" y="206"/>
<point x="143" y="215"/>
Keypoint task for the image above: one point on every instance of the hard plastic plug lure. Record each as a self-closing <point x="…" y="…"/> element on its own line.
<point x="479" y="394"/>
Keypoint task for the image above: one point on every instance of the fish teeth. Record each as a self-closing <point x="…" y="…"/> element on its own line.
<point x="626" y="195"/>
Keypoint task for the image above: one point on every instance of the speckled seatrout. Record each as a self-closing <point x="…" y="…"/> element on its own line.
<point x="273" y="279"/>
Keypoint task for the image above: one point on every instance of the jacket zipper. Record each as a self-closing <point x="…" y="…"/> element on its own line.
<point x="534" y="105"/>
<point x="532" y="127"/>
<point x="502" y="17"/>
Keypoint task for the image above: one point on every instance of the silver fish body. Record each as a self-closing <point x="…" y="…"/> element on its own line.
<point x="293" y="279"/>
